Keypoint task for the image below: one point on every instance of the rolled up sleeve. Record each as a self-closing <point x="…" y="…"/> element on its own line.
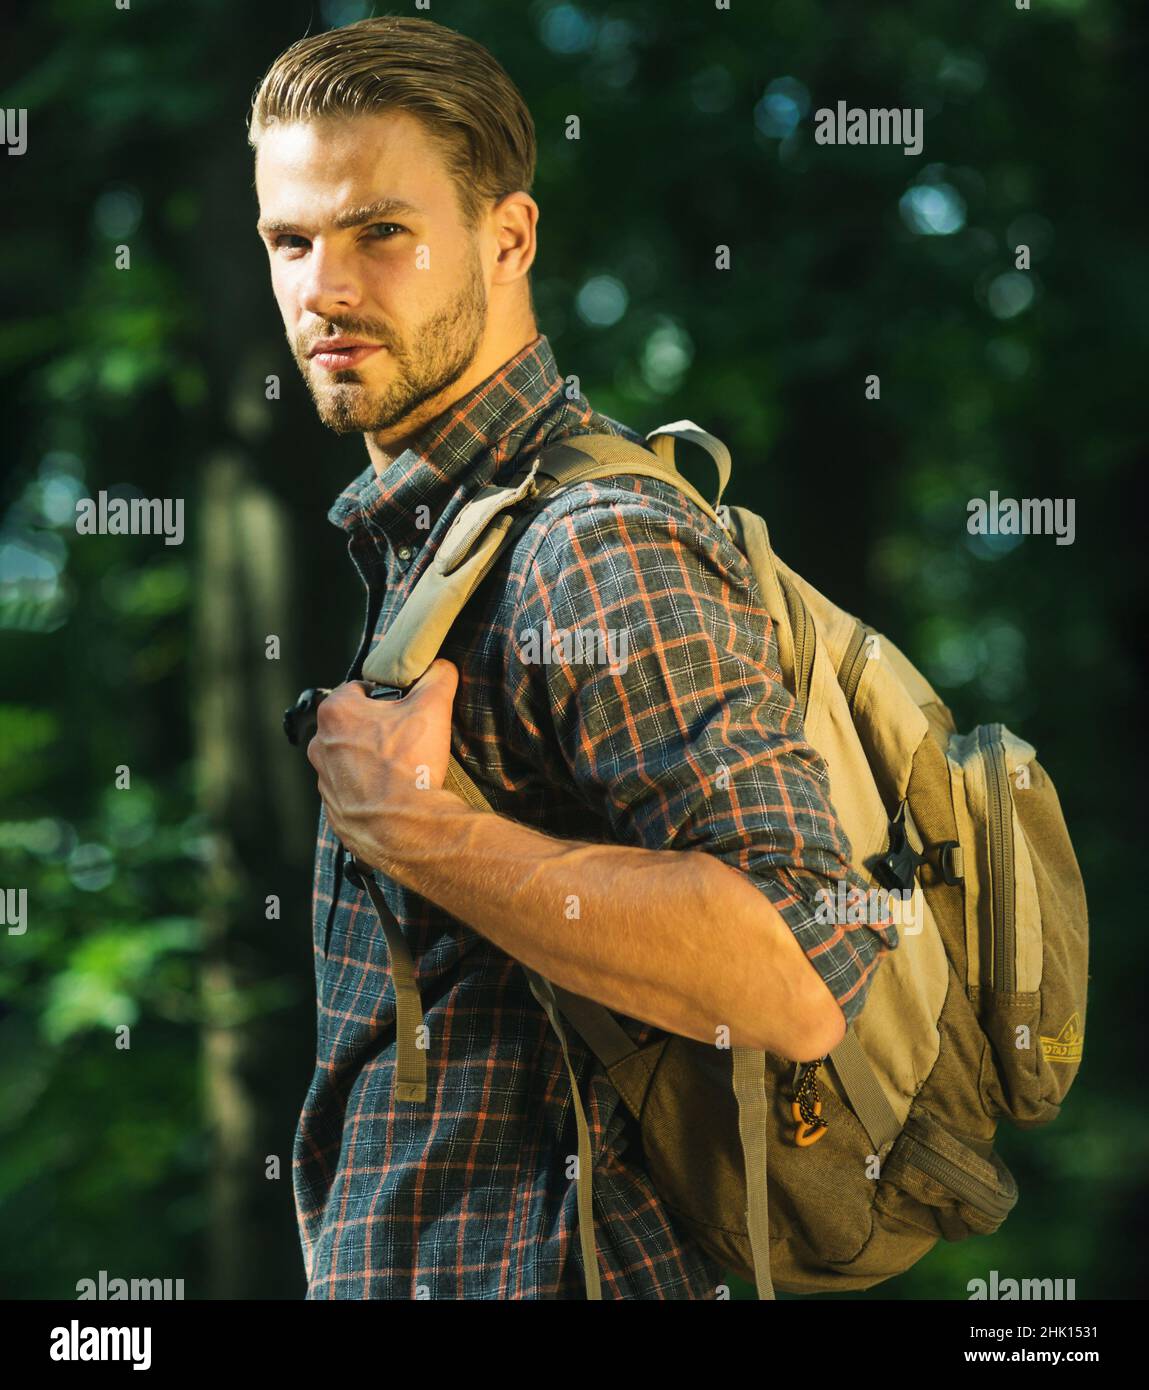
<point x="642" y="660"/>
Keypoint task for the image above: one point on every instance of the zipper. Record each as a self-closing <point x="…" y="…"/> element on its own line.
<point x="970" y="1189"/>
<point x="853" y="664"/>
<point x="802" y="631"/>
<point x="1003" y="965"/>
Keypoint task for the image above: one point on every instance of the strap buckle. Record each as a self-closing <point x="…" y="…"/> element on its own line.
<point x="352" y="872"/>
<point x="950" y="862"/>
<point x="897" y="867"/>
<point x="300" y="720"/>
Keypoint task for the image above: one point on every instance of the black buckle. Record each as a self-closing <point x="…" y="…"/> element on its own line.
<point x="300" y="720"/>
<point x="299" y="724"/>
<point x="352" y="872"/>
<point x="896" y="868"/>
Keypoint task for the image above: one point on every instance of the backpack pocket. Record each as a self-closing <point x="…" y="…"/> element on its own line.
<point x="934" y="1181"/>
<point x="1003" y="921"/>
<point x="1025" y="921"/>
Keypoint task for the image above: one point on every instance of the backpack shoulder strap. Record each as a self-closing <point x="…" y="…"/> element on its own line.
<point x="585" y="457"/>
<point x="498" y="514"/>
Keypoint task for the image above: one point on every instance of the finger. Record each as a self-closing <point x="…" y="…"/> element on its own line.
<point x="349" y="690"/>
<point x="442" y="676"/>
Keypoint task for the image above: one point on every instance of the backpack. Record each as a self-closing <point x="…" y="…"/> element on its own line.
<point x="836" y="1174"/>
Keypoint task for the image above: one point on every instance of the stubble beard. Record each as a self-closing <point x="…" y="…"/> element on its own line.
<point x="444" y="347"/>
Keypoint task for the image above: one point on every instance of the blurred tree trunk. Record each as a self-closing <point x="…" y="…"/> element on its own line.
<point x="254" y="796"/>
<point x="261" y="489"/>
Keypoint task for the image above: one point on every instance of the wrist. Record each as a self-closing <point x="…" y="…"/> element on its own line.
<point x="414" y="831"/>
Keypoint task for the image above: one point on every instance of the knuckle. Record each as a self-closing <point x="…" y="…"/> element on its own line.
<point x="328" y="713"/>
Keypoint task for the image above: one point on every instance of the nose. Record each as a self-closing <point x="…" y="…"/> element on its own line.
<point x="328" y="285"/>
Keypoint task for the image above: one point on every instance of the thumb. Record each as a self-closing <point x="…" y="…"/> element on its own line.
<point x="440" y="678"/>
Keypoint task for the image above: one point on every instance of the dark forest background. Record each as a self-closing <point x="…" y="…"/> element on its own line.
<point x="147" y="904"/>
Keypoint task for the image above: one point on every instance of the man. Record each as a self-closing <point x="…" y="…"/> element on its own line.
<point x="661" y="827"/>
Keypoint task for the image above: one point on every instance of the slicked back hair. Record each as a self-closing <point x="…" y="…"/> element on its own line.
<point x="468" y="105"/>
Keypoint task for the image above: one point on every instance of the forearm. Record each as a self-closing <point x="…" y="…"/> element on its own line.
<point x="675" y="938"/>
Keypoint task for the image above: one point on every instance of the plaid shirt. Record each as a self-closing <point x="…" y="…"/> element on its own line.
<point x="696" y="744"/>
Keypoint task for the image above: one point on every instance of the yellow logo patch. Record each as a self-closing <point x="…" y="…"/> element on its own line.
<point x="1067" y="1046"/>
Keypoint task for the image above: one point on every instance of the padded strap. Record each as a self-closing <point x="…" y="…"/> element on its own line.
<point x="411" y="1059"/>
<point x="493" y="519"/>
<point x="788" y="614"/>
<point x="753" y="1119"/>
<point x="468" y="550"/>
<point x="588" y="456"/>
<point x="544" y="992"/>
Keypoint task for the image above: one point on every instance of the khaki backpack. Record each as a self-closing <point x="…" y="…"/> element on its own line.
<point x="839" y="1173"/>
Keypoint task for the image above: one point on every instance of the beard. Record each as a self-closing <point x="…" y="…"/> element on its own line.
<point x="443" y="347"/>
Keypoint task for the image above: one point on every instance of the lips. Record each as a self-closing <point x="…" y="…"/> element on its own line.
<point x="337" y="354"/>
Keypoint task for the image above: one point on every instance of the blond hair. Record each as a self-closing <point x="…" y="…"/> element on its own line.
<point x="469" y="106"/>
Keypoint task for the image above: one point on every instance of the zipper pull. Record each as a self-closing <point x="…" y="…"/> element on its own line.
<point x="806" y="1108"/>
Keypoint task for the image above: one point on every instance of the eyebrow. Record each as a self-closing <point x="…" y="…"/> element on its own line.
<point x="354" y="217"/>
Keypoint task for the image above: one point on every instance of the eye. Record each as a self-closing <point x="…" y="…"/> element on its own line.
<point x="288" y="241"/>
<point x="377" y="228"/>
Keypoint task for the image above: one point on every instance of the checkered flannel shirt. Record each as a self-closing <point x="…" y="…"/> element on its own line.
<point x="468" y="1196"/>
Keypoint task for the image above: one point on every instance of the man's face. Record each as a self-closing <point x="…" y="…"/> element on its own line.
<point x="380" y="285"/>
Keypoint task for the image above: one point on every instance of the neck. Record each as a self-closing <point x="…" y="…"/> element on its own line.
<point x="385" y="446"/>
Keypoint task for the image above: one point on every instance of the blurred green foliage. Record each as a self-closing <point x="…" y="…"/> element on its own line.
<point x="696" y="133"/>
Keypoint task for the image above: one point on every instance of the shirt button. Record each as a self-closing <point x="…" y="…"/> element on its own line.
<point x="404" y="553"/>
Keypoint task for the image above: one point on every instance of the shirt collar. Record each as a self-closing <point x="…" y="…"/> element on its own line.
<point x="458" y="452"/>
